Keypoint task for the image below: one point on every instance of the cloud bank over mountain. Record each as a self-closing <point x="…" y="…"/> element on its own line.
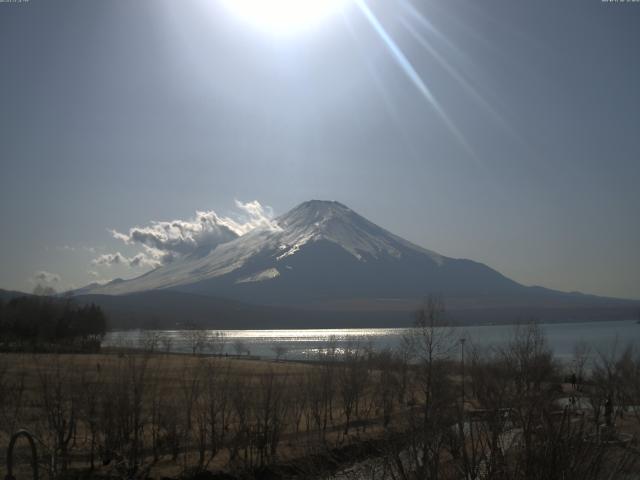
<point x="164" y="241"/>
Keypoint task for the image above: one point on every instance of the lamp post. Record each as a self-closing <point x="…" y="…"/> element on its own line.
<point x="462" y="340"/>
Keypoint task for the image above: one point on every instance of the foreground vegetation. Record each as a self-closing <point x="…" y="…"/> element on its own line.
<point x="42" y="323"/>
<point x="415" y="413"/>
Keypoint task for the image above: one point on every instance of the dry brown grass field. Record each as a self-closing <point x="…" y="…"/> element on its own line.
<point x="260" y="397"/>
<point x="414" y="414"/>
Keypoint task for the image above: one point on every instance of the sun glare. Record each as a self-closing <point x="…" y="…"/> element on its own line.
<point x="283" y="16"/>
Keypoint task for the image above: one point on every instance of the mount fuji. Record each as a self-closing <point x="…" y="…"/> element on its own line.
<point x="323" y="256"/>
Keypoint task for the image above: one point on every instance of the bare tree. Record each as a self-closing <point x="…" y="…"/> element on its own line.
<point x="217" y="403"/>
<point x="605" y="390"/>
<point x="12" y="389"/>
<point x="615" y="383"/>
<point x="239" y="347"/>
<point x="167" y="343"/>
<point x="298" y="400"/>
<point x="484" y="439"/>
<point x="149" y="341"/>
<point x="155" y="405"/>
<point x="92" y="385"/>
<point x="581" y="356"/>
<point x="270" y="410"/>
<point x="123" y="413"/>
<point x="241" y="428"/>
<point x="195" y="339"/>
<point x="403" y="356"/>
<point x="432" y="341"/>
<point x="631" y="386"/>
<point x="216" y="342"/>
<point x="386" y="384"/>
<point x="279" y="350"/>
<point x="170" y="433"/>
<point x="320" y="392"/>
<point x="352" y="379"/>
<point x="189" y="391"/>
<point x="531" y="365"/>
<point x="59" y="406"/>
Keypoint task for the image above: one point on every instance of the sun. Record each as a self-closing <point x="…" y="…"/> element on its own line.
<point x="283" y="17"/>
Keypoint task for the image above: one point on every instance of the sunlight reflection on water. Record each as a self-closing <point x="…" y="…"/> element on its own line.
<point x="309" y="343"/>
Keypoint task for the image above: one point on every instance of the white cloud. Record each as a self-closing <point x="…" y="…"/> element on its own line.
<point x="109" y="259"/>
<point x="46" y="277"/>
<point x="117" y="258"/>
<point x="180" y="236"/>
<point x="79" y="248"/>
<point x="144" y="260"/>
<point x="97" y="278"/>
<point x="163" y="241"/>
<point x="256" y="216"/>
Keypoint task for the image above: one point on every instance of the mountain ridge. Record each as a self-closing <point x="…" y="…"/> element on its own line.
<point x="314" y="231"/>
<point x="321" y="256"/>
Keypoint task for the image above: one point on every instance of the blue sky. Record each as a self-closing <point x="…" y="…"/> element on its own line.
<point x="525" y="157"/>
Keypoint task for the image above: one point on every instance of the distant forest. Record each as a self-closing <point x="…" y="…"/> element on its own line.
<point x="37" y="323"/>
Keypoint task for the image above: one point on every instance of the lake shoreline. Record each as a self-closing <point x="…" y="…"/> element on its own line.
<point x="309" y="344"/>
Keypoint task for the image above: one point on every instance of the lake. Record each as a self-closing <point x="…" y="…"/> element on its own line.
<point x="306" y="344"/>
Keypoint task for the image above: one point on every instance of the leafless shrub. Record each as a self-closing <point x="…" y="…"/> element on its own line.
<point x="431" y="343"/>
<point x="581" y="357"/>
<point x="352" y="380"/>
<point x="149" y="341"/>
<point x="298" y="401"/>
<point x="320" y="392"/>
<point x="195" y="340"/>
<point x="138" y="409"/>
<point x="242" y="440"/>
<point x="92" y="389"/>
<point x="59" y="403"/>
<point x="385" y="384"/>
<point x="166" y="341"/>
<point x="123" y="415"/>
<point x="270" y="411"/>
<point x="606" y="387"/>
<point x="239" y="347"/>
<point x="170" y="434"/>
<point x="12" y="389"/>
<point x="215" y="408"/>
<point x="216" y="342"/>
<point x="279" y="351"/>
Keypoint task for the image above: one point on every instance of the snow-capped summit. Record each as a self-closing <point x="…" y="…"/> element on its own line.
<point x="319" y="250"/>
<point x="334" y="222"/>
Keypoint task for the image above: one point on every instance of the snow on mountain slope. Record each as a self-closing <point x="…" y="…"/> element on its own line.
<point x="334" y="222"/>
<point x="318" y="249"/>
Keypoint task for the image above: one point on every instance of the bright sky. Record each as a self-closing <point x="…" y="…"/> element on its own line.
<point x="505" y="132"/>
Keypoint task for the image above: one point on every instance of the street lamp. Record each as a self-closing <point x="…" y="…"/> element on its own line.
<point x="462" y="340"/>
